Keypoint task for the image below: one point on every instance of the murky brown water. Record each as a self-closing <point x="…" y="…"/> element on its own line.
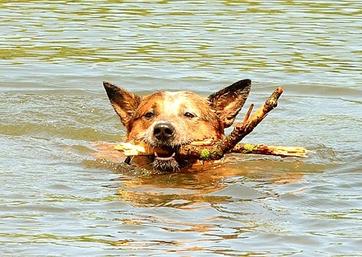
<point x="57" y="200"/>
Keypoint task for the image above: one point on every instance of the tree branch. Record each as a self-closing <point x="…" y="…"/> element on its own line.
<point x="219" y="148"/>
<point x="282" y="151"/>
<point x="230" y="144"/>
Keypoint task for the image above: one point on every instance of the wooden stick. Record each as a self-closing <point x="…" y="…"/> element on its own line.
<point x="217" y="151"/>
<point x="131" y="150"/>
<point x="282" y="151"/>
<point x="230" y="144"/>
<point x="247" y="115"/>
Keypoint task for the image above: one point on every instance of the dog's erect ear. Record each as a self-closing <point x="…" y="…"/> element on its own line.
<point x="228" y="102"/>
<point x="124" y="103"/>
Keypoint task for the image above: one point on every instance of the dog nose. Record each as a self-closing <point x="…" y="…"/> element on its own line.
<point x="163" y="131"/>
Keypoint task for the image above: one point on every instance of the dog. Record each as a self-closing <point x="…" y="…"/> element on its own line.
<point x="167" y="120"/>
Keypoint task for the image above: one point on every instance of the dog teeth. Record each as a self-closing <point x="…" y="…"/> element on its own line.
<point x="165" y="158"/>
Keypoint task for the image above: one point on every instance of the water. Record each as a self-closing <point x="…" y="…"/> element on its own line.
<point x="57" y="200"/>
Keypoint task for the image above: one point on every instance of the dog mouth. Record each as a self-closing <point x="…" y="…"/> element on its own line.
<point x="166" y="159"/>
<point x="163" y="157"/>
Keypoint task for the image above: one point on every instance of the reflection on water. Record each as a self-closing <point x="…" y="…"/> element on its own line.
<point x="60" y="195"/>
<point x="146" y="188"/>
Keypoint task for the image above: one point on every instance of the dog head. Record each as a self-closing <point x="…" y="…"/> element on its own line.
<point x="167" y="120"/>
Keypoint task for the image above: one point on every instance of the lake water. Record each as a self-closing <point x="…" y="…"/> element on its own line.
<point x="57" y="200"/>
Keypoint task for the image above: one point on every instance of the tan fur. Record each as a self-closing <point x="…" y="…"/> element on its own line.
<point x="171" y="107"/>
<point x="185" y="115"/>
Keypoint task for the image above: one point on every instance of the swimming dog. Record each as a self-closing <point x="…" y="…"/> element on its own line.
<point x="167" y="120"/>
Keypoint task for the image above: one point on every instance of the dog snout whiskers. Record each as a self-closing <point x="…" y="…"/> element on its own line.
<point x="164" y="131"/>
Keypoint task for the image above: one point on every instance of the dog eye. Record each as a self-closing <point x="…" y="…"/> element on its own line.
<point x="189" y="115"/>
<point x="149" y="115"/>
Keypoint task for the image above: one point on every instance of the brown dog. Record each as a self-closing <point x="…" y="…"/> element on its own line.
<point x="168" y="120"/>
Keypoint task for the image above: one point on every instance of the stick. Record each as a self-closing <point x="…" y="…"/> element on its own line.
<point x="218" y="150"/>
<point x="282" y="151"/>
<point x="247" y="115"/>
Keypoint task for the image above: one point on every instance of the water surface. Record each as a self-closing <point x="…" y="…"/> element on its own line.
<point x="57" y="200"/>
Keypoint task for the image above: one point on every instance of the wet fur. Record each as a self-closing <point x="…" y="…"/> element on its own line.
<point x="192" y="116"/>
<point x="171" y="107"/>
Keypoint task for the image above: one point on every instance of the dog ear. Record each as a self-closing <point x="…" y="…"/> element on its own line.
<point x="124" y="103"/>
<point x="228" y="102"/>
